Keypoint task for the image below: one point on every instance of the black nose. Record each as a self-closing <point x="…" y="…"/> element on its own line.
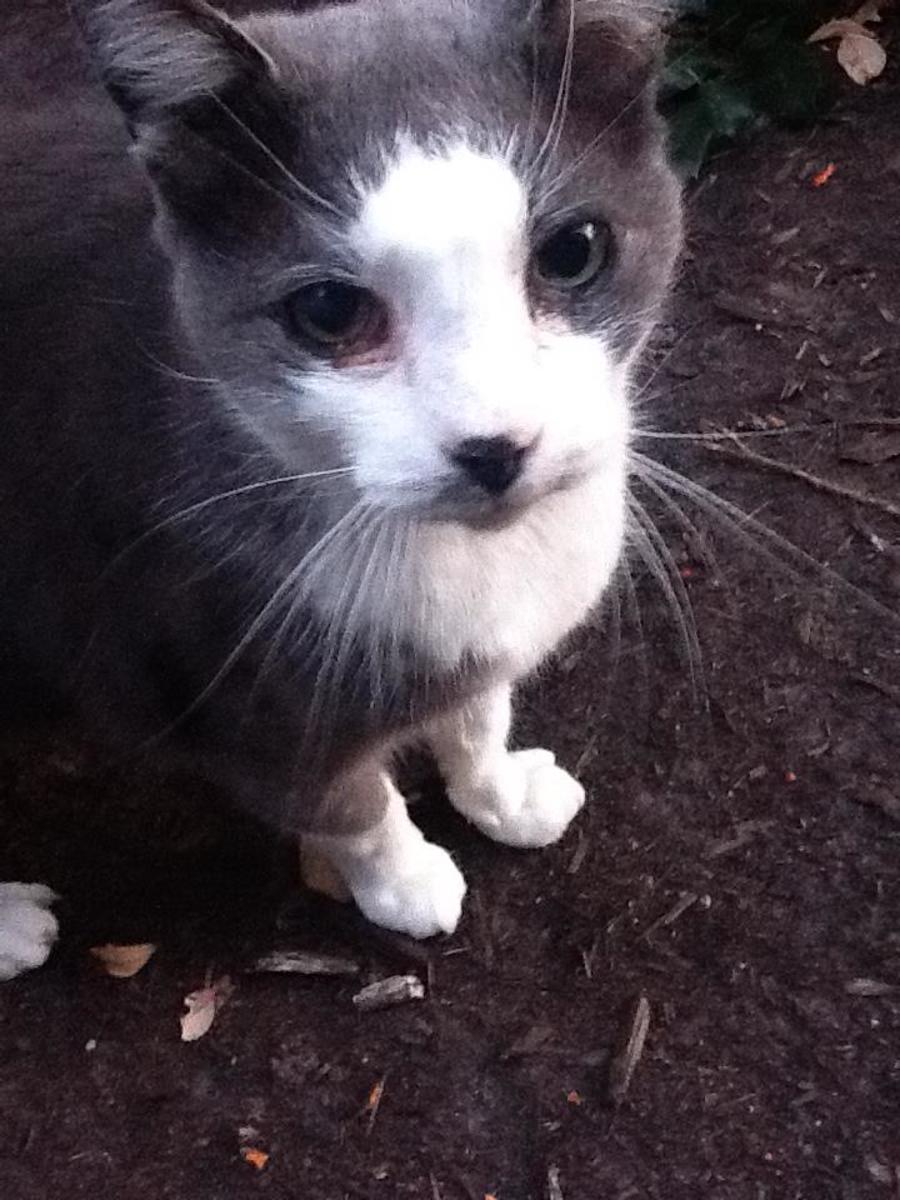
<point x="494" y="463"/>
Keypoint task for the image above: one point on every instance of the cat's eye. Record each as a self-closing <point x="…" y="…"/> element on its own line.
<point x="574" y="255"/>
<point x="335" y="317"/>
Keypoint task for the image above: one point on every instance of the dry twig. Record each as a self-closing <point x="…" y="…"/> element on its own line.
<point x="623" y="1065"/>
<point x="734" y="447"/>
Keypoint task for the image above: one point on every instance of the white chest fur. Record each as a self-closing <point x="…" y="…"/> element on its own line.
<point x="507" y="596"/>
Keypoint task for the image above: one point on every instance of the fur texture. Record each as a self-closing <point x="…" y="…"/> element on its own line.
<point x="275" y="560"/>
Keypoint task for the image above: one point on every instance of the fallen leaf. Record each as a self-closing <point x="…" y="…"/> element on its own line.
<point x="574" y="1098"/>
<point x="122" y="962"/>
<point x="202" y="1007"/>
<point x="859" y="52"/>
<point x="868" y="12"/>
<point x="862" y="57"/>
<point x="256" y="1158"/>
<point x="840" y="28"/>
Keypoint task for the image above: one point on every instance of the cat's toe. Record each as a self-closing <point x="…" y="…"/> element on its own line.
<point x="528" y="802"/>
<point x="423" y="900"/>
<point x="28" y="928"/>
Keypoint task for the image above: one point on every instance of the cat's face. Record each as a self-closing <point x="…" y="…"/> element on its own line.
<point x="420" y="241"/>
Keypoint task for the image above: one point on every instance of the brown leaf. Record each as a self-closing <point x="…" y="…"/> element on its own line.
<point x="862" y="57"/>
<point x="202" y="1007"/>
<point x="122" y="962"/>
<point x="841" y="28"/>
<point x="859" y="52"/>
<point x="868" y="12"/>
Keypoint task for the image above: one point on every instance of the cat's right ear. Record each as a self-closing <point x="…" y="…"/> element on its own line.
<point x="156" y="56"/>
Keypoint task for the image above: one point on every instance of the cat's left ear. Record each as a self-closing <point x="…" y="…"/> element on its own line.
<point x="156" y="56"/>
<point x="612" y="57"/>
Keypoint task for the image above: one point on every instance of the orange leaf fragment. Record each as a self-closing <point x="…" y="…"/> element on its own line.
<point x="822" y="177"/>
<point x="256" y="1158"/>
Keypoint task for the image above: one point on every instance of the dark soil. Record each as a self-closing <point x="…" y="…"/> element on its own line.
<point x="739" y="864"/>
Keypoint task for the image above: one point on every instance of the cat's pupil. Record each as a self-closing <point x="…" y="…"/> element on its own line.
<point x="573" y="254"/>
<point x="329" y="311"/>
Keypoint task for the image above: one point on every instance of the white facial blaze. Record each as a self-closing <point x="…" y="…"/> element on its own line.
<point x="444" y="239"/>
<point x="444" y="242"/>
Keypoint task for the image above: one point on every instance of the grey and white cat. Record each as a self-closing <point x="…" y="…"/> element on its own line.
<point x="317" y="327"/>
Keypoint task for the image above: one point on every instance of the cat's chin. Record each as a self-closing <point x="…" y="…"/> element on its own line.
<point x="499" y="512"/>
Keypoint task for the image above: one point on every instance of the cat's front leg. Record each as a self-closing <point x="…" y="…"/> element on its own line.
<point x="398" y="879"/>
<point x="518" y="797"/>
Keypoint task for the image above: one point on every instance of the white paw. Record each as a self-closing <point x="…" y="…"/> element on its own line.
<point x="28" y="928"/>
<point x="422" y="897"/>
<point x="524" y="800"/>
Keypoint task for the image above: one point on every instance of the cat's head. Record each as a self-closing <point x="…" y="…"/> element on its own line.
<point x="422" y="239"/>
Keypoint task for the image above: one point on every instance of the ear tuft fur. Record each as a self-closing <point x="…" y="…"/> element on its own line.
<point x="157" y="55"/>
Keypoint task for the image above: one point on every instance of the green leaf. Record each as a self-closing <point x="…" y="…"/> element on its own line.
<point x="715" y="112"/>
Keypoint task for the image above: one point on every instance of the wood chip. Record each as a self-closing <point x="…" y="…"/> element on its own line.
<point x="297" y="962"/>
<point x="879" y="1171"/>
<point x="678" y="909"/>
<point x="868" y="987"/>
<point x="626" y="1059"/>
<point x="385" y="993"/>
<point x="554" y="1188"/>
<point x="531" y="1042"/>
<point x="744" y="833"/>
<point x="122" y="962"/>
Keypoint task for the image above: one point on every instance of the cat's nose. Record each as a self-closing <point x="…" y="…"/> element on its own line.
<point x="494" y="463"/>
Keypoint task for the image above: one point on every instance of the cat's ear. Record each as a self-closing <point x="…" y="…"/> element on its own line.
<point x="616" y="39"/>
<point x="611" y="52"/>
<point x="155" y="56"/>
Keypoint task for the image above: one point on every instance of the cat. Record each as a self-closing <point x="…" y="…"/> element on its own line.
<point x="318" y="326"/>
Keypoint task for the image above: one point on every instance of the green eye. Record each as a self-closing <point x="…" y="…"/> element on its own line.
<point x="331" y="315"/>
<point x="575" y="254"/>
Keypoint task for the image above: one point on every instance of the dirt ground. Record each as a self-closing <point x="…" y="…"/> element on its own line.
<point x="738" y="863"/>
